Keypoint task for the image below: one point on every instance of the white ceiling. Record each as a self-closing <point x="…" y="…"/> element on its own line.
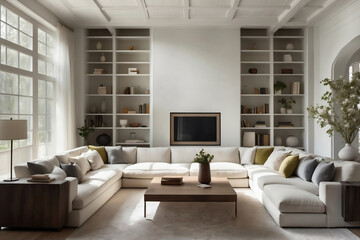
<point x="272" y="14"/>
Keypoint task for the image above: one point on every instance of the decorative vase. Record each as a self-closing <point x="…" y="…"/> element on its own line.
<point x="204" y="173"/>
<point x="103" y="139"/>
<point x="93" y="108"/>
<point x="98" y="45"/>
<point x="103" y="106"/>
<point x="289" y="111"/>
<point x="282" y="110"/>
<point x="102" y="58"/>
<point x="292" y="141"/>
<point x="278" y="141"/>
<point x="289" y="46"/>
<point x="287" y="58"/>
<point x="123" y="122"/>
<point x="348" y="153"/>
<point x="278" y="92"/>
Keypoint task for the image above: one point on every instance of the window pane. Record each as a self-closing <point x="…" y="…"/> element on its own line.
<point x="8" y="83"/>
<point x="41" y="48"/>
<point x="25" y="41"/>
<point x="25" y="105"/>
<point x="41" y="36"/>
<point x="41" y="67"/>
<point x="25" y="87"/>
<point x="26" y="27"/>
<point x="3" y="30"/>
<point x="12" y="19"/>
<point x="3" y="55"/>
<point x="42" y="123"/>
<point x="49" y="107"/>
<point x="50" y="69"/>
<point x="48" y="122"/>
<point x="25" y="62"/>
<point x="12" y="58"/>
<point x="50" y="40"/>
<point x="49" y="137"/>
<point x="42" y="88"/>
<point x="12" y="34"/>
<point x="9" y="104"/>
<point x="42" y="148"/>
<point x="3" y="13"/>
<point x="50" y="52"/>
<point x="29" y="121"/>
<point x="50" y="90"/>
<point x="42" y="106"/>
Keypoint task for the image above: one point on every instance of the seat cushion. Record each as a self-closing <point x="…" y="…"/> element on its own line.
<point x="95" y="183"/>
<point x="256" y="169"/>
<point x="158" y="154"/>
<point x="154" y="169"/>
<point x="290" y="199"/>
<point x="222" y="169"/>
<point x="221" y="154"/>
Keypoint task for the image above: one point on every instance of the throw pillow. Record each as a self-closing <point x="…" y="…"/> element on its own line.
<point x="249" y="156"/>
<point x="82" y="163"/>
<point x="73" y="170"/>
<point x="262" y="155"/>
<point x="57" y="173"/>
<point x="306" y="169"/>
<point x="115" y="155"/>
<point x="289" y="165"/>
<point x="275" y="159"/>
<point x="63" y="158"/>
<point x="40" y="167"/>
<point x="101" y="151"/>
<point x="94" y="159"/>
<point x="323" y="172"/>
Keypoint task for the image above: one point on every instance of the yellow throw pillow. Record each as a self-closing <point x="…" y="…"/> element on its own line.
<point x="262" y="155"/>
<point x="101" y="151"/>
<point x="288" y="166"/>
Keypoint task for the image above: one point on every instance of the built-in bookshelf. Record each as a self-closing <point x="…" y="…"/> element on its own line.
<point x="118" y="85"/>
<point x="266" y="59"/>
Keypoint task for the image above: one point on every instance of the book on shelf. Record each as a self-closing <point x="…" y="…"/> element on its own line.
<point x="285" y="124"/>
<point x="295" y="88"/>
<point x="244" y="123"/>
<point x="260" y="124"/>
<point x="99" y="71"/>
<point x="262" y="139"/>
<point x="264" y="90"/>
<point x="255" y="110"/>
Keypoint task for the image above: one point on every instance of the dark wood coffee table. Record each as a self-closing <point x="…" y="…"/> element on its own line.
<point x="220" y="191"/>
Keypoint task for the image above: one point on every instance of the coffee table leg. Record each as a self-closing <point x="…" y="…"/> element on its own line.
<point x="144" y="209"/>
<point x="236" y="209"/>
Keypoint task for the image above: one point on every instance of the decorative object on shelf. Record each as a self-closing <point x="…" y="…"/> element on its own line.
<point x="98" y="45"/>
<point x="147" y="91"/>
<point x="127" y="90"/>
<point x="279" y="86"/>
<point x="131" y="112"/>
<point x="287" y="58"/>
<point x="93" y="108"/>
<point x="292" y="141"/>
<point x="123" y="122"/>
<point x="125" y="110"/>
<point x="289" y="46"/>
<point x="249" y="139"/>
<point x="282" y="110"/>
<point x="341" y="112"/>
<point x="286" y="71"/>
<point x="132" y="90"/>
<point x="102" y="58"/>
<point x="103" y="106"/>
<point x="278" y="141"/>
<point x="287" y="104"/>
<point x="260" y="124"/>
<point x="98" y="121"/>
<point x="295" y="88"/>
<point x="84" y="132"/>
<point x="132" y="135"/>
<point x="204" y="166"/>
<point x="254" y="46"/>
<point x="133" y="71"/>
<point x="101" y="89"/>
<point x="12" y="130"/>
<point x="140" y="108"/>
<point x="131" y="47"/>
<point x="285" y="124"/>
<point x="103" y="139"/>
<point x="253" y="70"/>
<point x="348" y="153"/>
<point x="136" y="124"/>
<point x="99" y="71"/>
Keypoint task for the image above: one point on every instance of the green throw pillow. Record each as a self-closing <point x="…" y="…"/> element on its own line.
<point x="101" y="151"/>
<point x="288" y="166"/>
<point x="262" y="155"/>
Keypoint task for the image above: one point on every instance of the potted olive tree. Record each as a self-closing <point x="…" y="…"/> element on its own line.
<point x="204" y="160"/>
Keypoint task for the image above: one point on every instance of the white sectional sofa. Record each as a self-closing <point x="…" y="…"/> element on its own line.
<point x="292" y="202"/>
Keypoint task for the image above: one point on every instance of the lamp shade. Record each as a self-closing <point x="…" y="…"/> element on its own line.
<point x="13" y="129"/>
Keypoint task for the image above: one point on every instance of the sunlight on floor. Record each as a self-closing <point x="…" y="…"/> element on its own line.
<point x="246" y="192"/>
<point x="138" y="212"/>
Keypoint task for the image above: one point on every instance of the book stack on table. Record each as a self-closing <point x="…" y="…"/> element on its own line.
<point x="171" y="180"/>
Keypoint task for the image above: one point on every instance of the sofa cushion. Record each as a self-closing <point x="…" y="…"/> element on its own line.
<point x="262" y="155"/>
<point x="323" y="172"/>
<point x="222" y="169"/>
<point x="183" y="154"/>
<point x="63" y="158"/>
<point x="256" y="169"/>
<point x="82" y="163"/>
<point x="73" y="170"/>
<point x="158" y="154"/>
<point x="40" y="167"/>
<point x="57" y="173"/>
<point x="249" y="156"/>
<point x="346" y="171"/>
<point x="154" y="169"/>
<point x="289" y="165"/>
<point x="224" y="154"/>
<point x="275" y="159"/>
<point x="94" y="158"/>
<point x="290" y="199"/>
<point x="101" y="150"/>
<point x="95" y="183"/>
<point x="77" y="151"/>
<point x="306" y="169"/>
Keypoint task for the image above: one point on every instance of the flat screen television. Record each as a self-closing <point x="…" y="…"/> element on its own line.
<point x="195" y="129"/>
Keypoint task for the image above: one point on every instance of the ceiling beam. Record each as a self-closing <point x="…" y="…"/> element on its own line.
<point x="103" y="13"/>
<point x="288" y="14"/>
<point x="231" y="14"/>
<point x="142" y="4"/>
<point x="264" y="7"/>
<point x="317" y="12"/>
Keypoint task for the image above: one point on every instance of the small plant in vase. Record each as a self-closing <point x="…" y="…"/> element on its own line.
<point x="84" y="132"/>
<point x="287" y="105"/>
<point x="204" y="160"/>
<point x="279" y="86"/>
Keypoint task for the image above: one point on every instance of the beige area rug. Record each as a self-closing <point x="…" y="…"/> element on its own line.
<point x="122" y="218"/>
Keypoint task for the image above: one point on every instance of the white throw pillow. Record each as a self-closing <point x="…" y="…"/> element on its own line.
<point x="58" y="173"/>
<point x="249" y="156"/>
<point x="94" y="159"/>
<point x="82" y="163"/>
<point x="63" y="158"/>
<point x="275" y="159"/>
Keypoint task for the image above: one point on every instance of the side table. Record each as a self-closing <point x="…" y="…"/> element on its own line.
<point x="350" y="192"/>
<point x="34" y="205"/>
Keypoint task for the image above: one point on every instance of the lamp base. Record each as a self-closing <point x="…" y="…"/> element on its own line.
<point x="11" y="180"/>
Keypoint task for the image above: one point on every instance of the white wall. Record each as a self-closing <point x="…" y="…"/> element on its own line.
<point x="331" y="34"/>
<point x="196" y="70"/>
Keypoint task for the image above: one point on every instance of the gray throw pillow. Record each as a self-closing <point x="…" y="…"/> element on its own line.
<point x="40" y="167"/>
<point x="57" y="173"/>
<point x="73" y="170"/>
<point x="114" y="154"/>
<point x="305" y="169"/>
<point x="324" y="172"/>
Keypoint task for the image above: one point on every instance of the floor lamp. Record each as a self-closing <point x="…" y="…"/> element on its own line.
<point x="12" y="130"/>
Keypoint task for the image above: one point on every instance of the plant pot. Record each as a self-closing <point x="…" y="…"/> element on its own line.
<point x="204" y="173"/>
<point x="282" y="110"/>
<point x="103" y="139"/>
<point x="278" y="92"/>
<point x="289" y="111"/>
<point x="292" y="141"/>
<point x="348" y="153"/>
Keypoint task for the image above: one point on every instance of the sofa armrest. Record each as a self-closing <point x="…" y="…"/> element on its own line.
<point x="73" y="188"/>
<point x="22" y="171"/>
